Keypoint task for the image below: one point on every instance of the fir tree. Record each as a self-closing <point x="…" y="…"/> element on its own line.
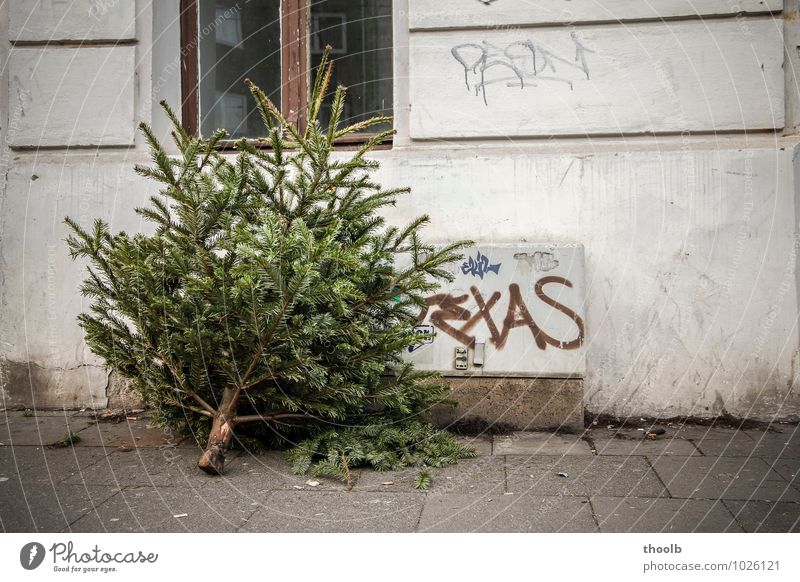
<point x="268" y="297"/>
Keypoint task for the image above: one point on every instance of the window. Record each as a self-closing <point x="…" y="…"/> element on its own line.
<point x="277" y="44"/>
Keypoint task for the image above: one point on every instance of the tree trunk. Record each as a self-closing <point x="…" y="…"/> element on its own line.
<point x="212" y="461"/>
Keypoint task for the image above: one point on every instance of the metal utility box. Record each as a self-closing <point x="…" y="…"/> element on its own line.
<point x="513" y="310"/>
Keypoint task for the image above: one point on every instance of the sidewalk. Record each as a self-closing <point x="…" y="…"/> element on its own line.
<point x="128" y="477"/>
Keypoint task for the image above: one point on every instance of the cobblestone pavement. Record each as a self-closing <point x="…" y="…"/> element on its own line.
<point x="130" y="477"/>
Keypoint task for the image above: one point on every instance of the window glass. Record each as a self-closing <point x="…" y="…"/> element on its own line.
<point x="239" y="39"/>
<point x="360" y="35"/>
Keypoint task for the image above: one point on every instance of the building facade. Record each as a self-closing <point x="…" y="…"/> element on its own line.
<point x="662" y="137"/>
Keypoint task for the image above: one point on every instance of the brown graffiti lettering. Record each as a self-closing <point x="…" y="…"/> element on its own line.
<point x="450" y="309"/>
<point x="484" y="309"/>
<point x="538" y="289"/>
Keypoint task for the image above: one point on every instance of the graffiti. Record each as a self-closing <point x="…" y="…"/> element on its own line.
<point x="479" y="266"/>
<point x="430" y="333"/>
<point x="528" y="61"/>
<point x="444" y="309"/>
<point x="539" y="261"/>
<point x="487" y="2"/>
<point x="100" y="7"/>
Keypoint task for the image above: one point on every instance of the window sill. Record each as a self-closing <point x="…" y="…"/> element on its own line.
<point x="347" y="143"/>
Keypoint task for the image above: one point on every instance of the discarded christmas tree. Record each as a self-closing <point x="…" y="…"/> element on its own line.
<point x="269" y="297"/>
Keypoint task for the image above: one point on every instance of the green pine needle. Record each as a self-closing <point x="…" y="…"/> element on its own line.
<point x="423" y="481"/>
<point x="68" y="439"/>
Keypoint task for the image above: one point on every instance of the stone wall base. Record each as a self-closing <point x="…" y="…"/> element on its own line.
<point x="513" y="404"/>
<point x="28" y="385"/>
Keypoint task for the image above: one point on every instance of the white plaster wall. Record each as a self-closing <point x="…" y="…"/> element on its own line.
<point x="690" y="259"/>
<point x="73" y="96"/>
<point x="444" y="14"/>
<point x="602" y="80"/>
<point x="54" y="20"/>
<point x="40" y="295"/>
<point x="690" y="241"/>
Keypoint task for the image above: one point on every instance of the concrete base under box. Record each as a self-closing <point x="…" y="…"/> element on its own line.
<point x="514" y="403"/>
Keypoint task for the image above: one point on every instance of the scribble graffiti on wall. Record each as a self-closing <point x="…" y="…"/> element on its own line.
<point x="522" y="64"/>
<point x="539" y="261"/>
<point x="429" y="333"/>
<point x="479" y="266"/>
<point x="444" y="309"/>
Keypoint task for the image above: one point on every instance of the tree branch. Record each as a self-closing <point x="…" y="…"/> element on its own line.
<point x="177" y="402"/>
<point x="210" y="411"/>
<point x="267" y="418"/>
<point x="268" y="335"/>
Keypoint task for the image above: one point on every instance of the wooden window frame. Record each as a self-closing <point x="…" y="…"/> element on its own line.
<point x="295" y="71"/>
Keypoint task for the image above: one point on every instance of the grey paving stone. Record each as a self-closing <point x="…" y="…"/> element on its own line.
<point x="165" y="509"/>
<point x="642" y="515"/>
<point x="166" y="467"/>
<point x="251" y="489"/>
<point x="330" y="511"/>
<point x="480" y="475"/>
<point x="699" y="433"/>
<point x="469" y="475"/>
<point x="38" y="430"/>
<point x="270" y="471"/>
<point x="738" y="445"/>
<point x="506" y="514"/>
<point x="403" y="480"/>
<point x="44" y="507"/>
<point x="540" y="443"/>
<point x="640" y="446"/>
<point x="41" y="465"/>
<point x="128" y="434"/>
<point x="760" y="516"/>
<point x="607" y="476"/>
<point x="45" y="489"/>
<point x="709" y="440"/>
<point x="246" y="493"/>
<point x="714" y="441"/>
<point x="723" y="478"/>
<point x="481" y="444"/>
<point x="596" y="432"/>
<point x="774" y="445"/>
<point x="789" y="469"/>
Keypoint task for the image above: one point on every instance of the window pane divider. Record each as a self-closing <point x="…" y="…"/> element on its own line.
<point x="190" y="66"/>
<point x="295" y="72"/>
<point x="294" y="55"/>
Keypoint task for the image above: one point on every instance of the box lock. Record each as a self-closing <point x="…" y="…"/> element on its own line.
<point x="461" y="360"/>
